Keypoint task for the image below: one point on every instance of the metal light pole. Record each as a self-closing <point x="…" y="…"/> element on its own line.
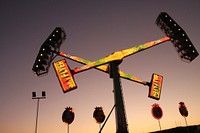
<point x="38" y="102"/>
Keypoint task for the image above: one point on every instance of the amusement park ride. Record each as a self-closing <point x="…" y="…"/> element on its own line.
<point x="51" y="48"/>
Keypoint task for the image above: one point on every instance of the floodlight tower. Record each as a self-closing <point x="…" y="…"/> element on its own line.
<point x="38" y="104"/>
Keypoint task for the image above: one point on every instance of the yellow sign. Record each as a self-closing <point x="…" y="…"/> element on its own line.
<point x="155" y="87"/>
<point x="64" y="75"/>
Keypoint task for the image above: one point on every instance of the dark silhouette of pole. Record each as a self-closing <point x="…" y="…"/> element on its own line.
<point x="67" y="128"/>
<point x="106" y="119"/>
<point x="186" y="125"/>
<point x="36" y="122"/>
<point x="159" y="124"/>
<point x="120" y="115"/>
<point x="38" y="105"/>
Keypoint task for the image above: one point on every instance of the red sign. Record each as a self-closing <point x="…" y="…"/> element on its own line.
<point x="156" y="111"/>
<point x="155" y="86"/>
<point x="99" y="115"/>
<point x="183" y="110"/>
<point x="64" y="75"/>
<point x="68" y="115"/>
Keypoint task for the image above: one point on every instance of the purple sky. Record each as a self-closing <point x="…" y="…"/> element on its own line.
<point x="95" y="29"/>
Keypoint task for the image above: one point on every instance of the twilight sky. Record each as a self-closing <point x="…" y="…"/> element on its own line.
<point x="95" y="29"/>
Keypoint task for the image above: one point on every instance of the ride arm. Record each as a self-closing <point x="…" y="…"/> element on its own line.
<point x="119" y="55"/>
<point x="102" y="68"/>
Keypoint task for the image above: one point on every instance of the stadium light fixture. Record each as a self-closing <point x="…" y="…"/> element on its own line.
<point x="48" y="51"/>
<point x="178" y="37"/>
